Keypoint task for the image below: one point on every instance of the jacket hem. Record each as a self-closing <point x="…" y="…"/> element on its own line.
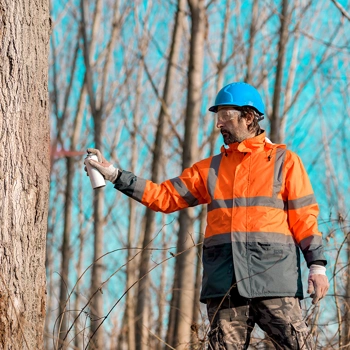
<point x="203" y="299"/>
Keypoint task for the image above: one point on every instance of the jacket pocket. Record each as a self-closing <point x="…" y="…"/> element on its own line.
<point x="273" y="269"/>
<point x="217" y="270"/>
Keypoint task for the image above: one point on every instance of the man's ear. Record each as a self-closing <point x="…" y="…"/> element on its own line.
<point x="249" y="118"/>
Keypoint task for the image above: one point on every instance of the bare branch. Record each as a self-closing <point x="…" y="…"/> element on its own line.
<point x="341" y="9"/>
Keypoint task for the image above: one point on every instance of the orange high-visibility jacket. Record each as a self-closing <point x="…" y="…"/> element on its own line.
<point x="261" y="212"/>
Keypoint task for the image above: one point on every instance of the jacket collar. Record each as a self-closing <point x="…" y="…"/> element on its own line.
<point x="253" y="144"/>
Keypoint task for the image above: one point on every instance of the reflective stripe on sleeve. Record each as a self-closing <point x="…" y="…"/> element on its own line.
<point x="184" y="192"/>
<point x="301" y="202"/>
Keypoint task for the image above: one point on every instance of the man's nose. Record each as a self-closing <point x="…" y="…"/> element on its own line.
<point x="219" y="124"/>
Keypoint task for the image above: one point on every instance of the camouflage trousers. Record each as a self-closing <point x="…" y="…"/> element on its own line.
<point x="279" y="318"/>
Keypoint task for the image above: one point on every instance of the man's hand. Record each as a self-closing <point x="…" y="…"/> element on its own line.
<point x="106" y="168"/>
<point x="317" y="283"/>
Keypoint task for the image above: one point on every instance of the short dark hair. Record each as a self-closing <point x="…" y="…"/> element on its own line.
<point x="254" y="126"/>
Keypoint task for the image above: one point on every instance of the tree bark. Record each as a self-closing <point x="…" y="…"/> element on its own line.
<point x="346" y="327"/>
<point x="156" y="167"/>
<point x="184" y="289"/>
<point x="97" y="269"/>
<point x="252" y="34"/>
<point x="68" y="207"/>
<point x="196" y="341"/>
<point x="161" y="291"/>
<point x="220" y="73"/>
<point x="78" y="327"/>
<point x="130" y="267"/>
<point x="275" y="117"/>
<point x="97" y="340"/>
<point x="24" y="171"/>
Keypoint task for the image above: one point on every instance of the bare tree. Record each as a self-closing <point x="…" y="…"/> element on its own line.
<point x="252" y="37"/>
<point x="183" y="291"/>
<point x="97" y="113"/>
<point x="282" y="45"/>
<point x="134" y="339"/>
<point x="70" y="161"/>
<point x="155" y="173"/>
<point x="24" y="171"/>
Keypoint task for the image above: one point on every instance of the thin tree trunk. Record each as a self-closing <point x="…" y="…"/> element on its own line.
<point x="97" y="269"/>
<point x="347" y="283"/>
<point x="252" y="34"/>
<point x="198" y="280"/>
<point x="161" y="293"/>
<point x="220" y="73"/>
<point x="78" y="340"/>
<point x="290" y="83"/>
<point x="130" y="267"/>
<point x="24" y="171"/>
<point x="67" y="228"/>
<point x="97" y="109"/>
<point x="184" y="262"/>
<point x="156" y="166"/>
<point x="346" y="330"/>
<point x="74" y="142"/>
<point x="275" y="120"/>
<point x="65" y="250"/>
<point x="51" y="300"/>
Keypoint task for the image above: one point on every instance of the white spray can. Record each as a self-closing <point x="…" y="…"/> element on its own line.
<point x="96" y="178"/>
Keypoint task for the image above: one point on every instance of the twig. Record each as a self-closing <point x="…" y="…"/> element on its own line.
<point x="160" y="339"/>
<point x="99" y="289"/>
<point x="127" y="290"/>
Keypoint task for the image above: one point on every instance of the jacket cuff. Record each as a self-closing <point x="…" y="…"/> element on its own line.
<point x="118" y="176"/>
<point x="317" y="262"/>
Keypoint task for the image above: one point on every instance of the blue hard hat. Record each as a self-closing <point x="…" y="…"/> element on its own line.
<point x="240" y="95"/>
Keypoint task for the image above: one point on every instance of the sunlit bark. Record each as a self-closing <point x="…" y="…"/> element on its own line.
<point x="24" y="171"/>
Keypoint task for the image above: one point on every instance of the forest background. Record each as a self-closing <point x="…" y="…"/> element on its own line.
<point x="135" y="80"/>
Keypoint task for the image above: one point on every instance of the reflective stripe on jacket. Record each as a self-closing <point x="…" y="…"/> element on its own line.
<point x="261" y="211"/>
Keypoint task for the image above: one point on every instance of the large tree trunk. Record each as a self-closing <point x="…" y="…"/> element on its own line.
<point x="156" y="166"/>
<point x="24" y="171"/>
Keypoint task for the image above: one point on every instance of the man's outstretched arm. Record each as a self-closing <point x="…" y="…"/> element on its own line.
<point x="187" y="190"/>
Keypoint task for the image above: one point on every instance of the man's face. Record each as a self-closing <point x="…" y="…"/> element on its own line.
<point x="232" y="127"/>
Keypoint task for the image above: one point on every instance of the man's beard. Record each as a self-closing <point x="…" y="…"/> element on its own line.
<point x="229" y="137"/>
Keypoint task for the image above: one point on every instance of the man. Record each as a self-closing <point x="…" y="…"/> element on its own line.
<point x="261" y="213"/>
